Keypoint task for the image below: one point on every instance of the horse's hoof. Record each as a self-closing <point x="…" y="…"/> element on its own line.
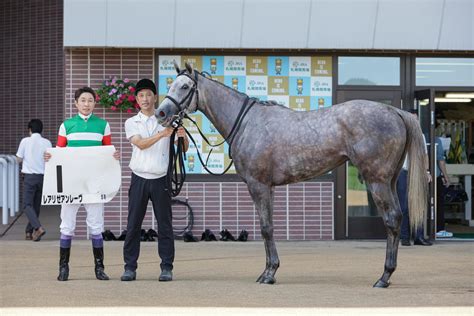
<point x="261" y="277"/>
<point x="267" y="280"/>
<point x="381" y="284"/>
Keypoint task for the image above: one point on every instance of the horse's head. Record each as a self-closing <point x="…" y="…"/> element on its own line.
<point x="182" y="97"/>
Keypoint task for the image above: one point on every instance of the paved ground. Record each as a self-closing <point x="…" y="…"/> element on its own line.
<point x="219" y="274"/>
<point x="219" y="278"/>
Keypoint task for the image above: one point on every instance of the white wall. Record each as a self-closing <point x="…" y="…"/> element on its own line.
<point x="304" y="24"/>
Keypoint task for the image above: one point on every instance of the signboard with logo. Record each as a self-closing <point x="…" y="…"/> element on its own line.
<point x="302" y="83"/>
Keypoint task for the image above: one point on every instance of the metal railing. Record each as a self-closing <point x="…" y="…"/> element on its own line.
<point x="9" y="187"/>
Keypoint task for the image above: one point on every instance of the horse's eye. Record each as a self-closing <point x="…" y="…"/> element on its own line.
<point x="185" y="87"/>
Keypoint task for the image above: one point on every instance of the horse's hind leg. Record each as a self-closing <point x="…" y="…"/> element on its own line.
<point x="262" y="196"/>
<point x="390" y="210"/>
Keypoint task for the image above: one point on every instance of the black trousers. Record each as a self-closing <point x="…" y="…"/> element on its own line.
<point x="32" y="190"/>
<point x="140" y="192"/>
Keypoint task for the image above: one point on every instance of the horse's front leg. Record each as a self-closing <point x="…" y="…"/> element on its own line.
<point x="262" y="196"/>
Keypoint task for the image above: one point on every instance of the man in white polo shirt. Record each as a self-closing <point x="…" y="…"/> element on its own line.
<point x="30" y="153"/>
<point x="149" y="164"/>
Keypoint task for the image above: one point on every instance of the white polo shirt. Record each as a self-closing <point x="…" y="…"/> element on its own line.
<point x="31" y="150"/>
<point x="150" y="163"/>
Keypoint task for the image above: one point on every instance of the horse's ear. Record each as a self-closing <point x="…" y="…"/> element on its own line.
<point x="189" y="68"/>
<point x="176" y="66"/>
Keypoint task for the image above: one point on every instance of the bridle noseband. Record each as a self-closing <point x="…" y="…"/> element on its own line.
<point x="187" y="99"/>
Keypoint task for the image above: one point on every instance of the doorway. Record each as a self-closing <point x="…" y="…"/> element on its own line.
<point x="356" y="214"/>
<point x="449" y="116"/>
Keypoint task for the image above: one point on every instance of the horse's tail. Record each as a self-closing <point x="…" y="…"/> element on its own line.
<point x="417" y="181"/>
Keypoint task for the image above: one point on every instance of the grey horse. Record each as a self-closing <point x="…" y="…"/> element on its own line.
<point x="274" y="145"/>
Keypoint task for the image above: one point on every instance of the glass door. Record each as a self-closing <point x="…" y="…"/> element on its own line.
<point x="354" y="204"/>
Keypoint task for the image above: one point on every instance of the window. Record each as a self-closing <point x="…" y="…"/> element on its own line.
<point x="369" y="71"/>
<point x="445" y="72"/>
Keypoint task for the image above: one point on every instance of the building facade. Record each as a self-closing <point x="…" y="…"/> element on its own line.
<point x="306" y="54"/>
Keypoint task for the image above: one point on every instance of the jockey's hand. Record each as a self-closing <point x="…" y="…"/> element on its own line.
<point x="181" y="132"/>
<point x="117" y="155"/>
<point x="46" y="156"/>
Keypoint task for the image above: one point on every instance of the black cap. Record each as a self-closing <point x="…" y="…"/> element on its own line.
<point x="145" y="84"/>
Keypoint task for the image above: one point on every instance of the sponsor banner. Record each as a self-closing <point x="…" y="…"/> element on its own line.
<point x="192" y="163"/>
<point x="277" y="85"/>
<point x="235" y="65"/>
<point x="300" y="66"/>
<point x="321" y="86"/>
<point x="213" y="139"/>
<point x="256" y="85"/>
<point x="214" y="65"/>
<point x="215" y="163"/>
<point x="300" y="86"/>
<point x="235" y="82"/>
<point x="321" y="66"/>
<point x="302" y="83"/>
<point x="256" y="66"/>
<point x="166" y="65"/>
<point x="280" y="99"/>
<point x="320" y="102"/>
<point x="194" y="61"/>
<point x="164" y="83"/>
<point x="301" y="103"/>
<point x="278" y="66"/>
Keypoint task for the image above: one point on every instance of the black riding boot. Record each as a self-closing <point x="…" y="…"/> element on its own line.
<point x="99" y="264"/>
<point x="64" y="264"/>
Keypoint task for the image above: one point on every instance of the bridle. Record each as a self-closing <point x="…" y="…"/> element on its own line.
<point x="174" y="184"/>
<point x="181" y="113"/>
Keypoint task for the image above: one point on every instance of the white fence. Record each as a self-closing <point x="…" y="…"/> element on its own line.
<point x="9" y="187"/>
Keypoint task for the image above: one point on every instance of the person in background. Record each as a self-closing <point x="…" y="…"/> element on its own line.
<point x="402" y="191"/>
<point x="442" y="182"/>
<point x="30" y="154"/>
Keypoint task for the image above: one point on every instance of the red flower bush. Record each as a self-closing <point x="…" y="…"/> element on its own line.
<point x="118" y="95"/>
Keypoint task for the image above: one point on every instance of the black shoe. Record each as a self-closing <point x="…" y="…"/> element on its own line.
<point x="166" y="275"/>
<point x="108" y="235"/>
<point x="128" y="275"/>
<point x="188" y="237"/>
<point x="208" y="235"/>
<point x="99" y="264"/>
<point x="122" y="235"/>
<point x="226" y="235"/>
<point x="152" y="234"/>
<point x="422" y="242"/>
<point x="243" y="236"/>
<point x="406" y="242"/>
<point x="64" y="264"/>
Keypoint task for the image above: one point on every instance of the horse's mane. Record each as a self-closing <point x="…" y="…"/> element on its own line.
<point x="258" y="101"/>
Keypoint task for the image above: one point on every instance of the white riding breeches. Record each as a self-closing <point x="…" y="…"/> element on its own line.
<point x="94" y="220"/>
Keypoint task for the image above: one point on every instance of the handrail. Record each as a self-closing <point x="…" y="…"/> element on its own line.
<point x="10" y="183"/>
<point x="4" y="197"/>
